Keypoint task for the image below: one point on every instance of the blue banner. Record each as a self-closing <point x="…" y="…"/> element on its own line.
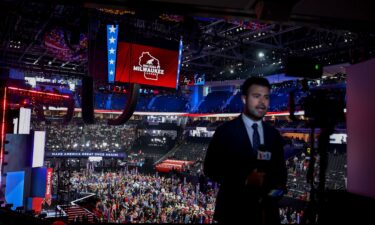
<point x="78" y="154"/>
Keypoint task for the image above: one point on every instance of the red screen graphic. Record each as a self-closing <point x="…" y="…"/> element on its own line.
<point x="146" y="65"/>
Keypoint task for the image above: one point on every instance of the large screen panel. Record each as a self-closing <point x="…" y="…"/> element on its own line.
<point x="14" y="188"/>
<point x="146" y="65"/>
<point x="19" y="148"/>
<point x="150" y="60"/>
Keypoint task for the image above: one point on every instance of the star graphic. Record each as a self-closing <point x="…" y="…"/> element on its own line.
<point x="112" y="40"/>
<point x="111" y="51"/>
<point x="111" y="61"/>
<point x="112" y="29"/>
<point x="111" y="72"/>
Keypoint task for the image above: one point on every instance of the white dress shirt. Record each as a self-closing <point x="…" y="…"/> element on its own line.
<point x="248" y="124"/>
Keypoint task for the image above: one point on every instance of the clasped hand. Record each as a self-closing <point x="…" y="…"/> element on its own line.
<point x="255" y="179"/>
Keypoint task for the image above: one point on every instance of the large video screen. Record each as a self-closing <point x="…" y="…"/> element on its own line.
<point x="136" y="58"/>
<point x="15" y="187"/>
<point x="19" y="150"/>
<point x="147" y="65"/>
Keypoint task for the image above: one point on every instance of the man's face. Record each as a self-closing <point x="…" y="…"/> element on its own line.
<point x="256" y="101"/>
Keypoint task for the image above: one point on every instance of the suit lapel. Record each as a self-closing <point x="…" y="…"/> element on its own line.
<point x="267" y="136"/>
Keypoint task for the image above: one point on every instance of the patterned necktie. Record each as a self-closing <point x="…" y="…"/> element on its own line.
<point x="256" y="137"/>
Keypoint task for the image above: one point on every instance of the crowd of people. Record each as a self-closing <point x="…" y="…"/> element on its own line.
<point x="128" y="196"/>
<point x="87" y="137"/>
<point x="289" y="215"/>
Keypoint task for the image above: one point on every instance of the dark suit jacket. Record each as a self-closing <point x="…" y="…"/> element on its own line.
<point x="230" y="159"/>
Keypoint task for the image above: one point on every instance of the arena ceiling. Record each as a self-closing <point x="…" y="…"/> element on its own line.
<point x="225" y="39"/>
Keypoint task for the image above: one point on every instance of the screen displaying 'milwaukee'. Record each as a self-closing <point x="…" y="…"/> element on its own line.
<point x="146" y="65"/>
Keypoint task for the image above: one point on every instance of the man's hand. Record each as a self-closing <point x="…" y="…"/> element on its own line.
<point x="255" y="179"/>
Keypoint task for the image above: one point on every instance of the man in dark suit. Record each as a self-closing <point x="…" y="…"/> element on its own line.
<point x="247" y="161"/>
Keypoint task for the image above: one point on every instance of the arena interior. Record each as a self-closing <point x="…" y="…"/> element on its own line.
<point x="84" y="140"/>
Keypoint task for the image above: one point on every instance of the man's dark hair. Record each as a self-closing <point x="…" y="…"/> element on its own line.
<point x="254" y="80"/>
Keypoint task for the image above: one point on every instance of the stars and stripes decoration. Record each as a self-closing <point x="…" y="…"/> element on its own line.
<point x="179" y="62"/>
<point x="112" y="34"/>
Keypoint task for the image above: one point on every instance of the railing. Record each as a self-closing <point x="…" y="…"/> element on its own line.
<point x="80" y="199"/>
